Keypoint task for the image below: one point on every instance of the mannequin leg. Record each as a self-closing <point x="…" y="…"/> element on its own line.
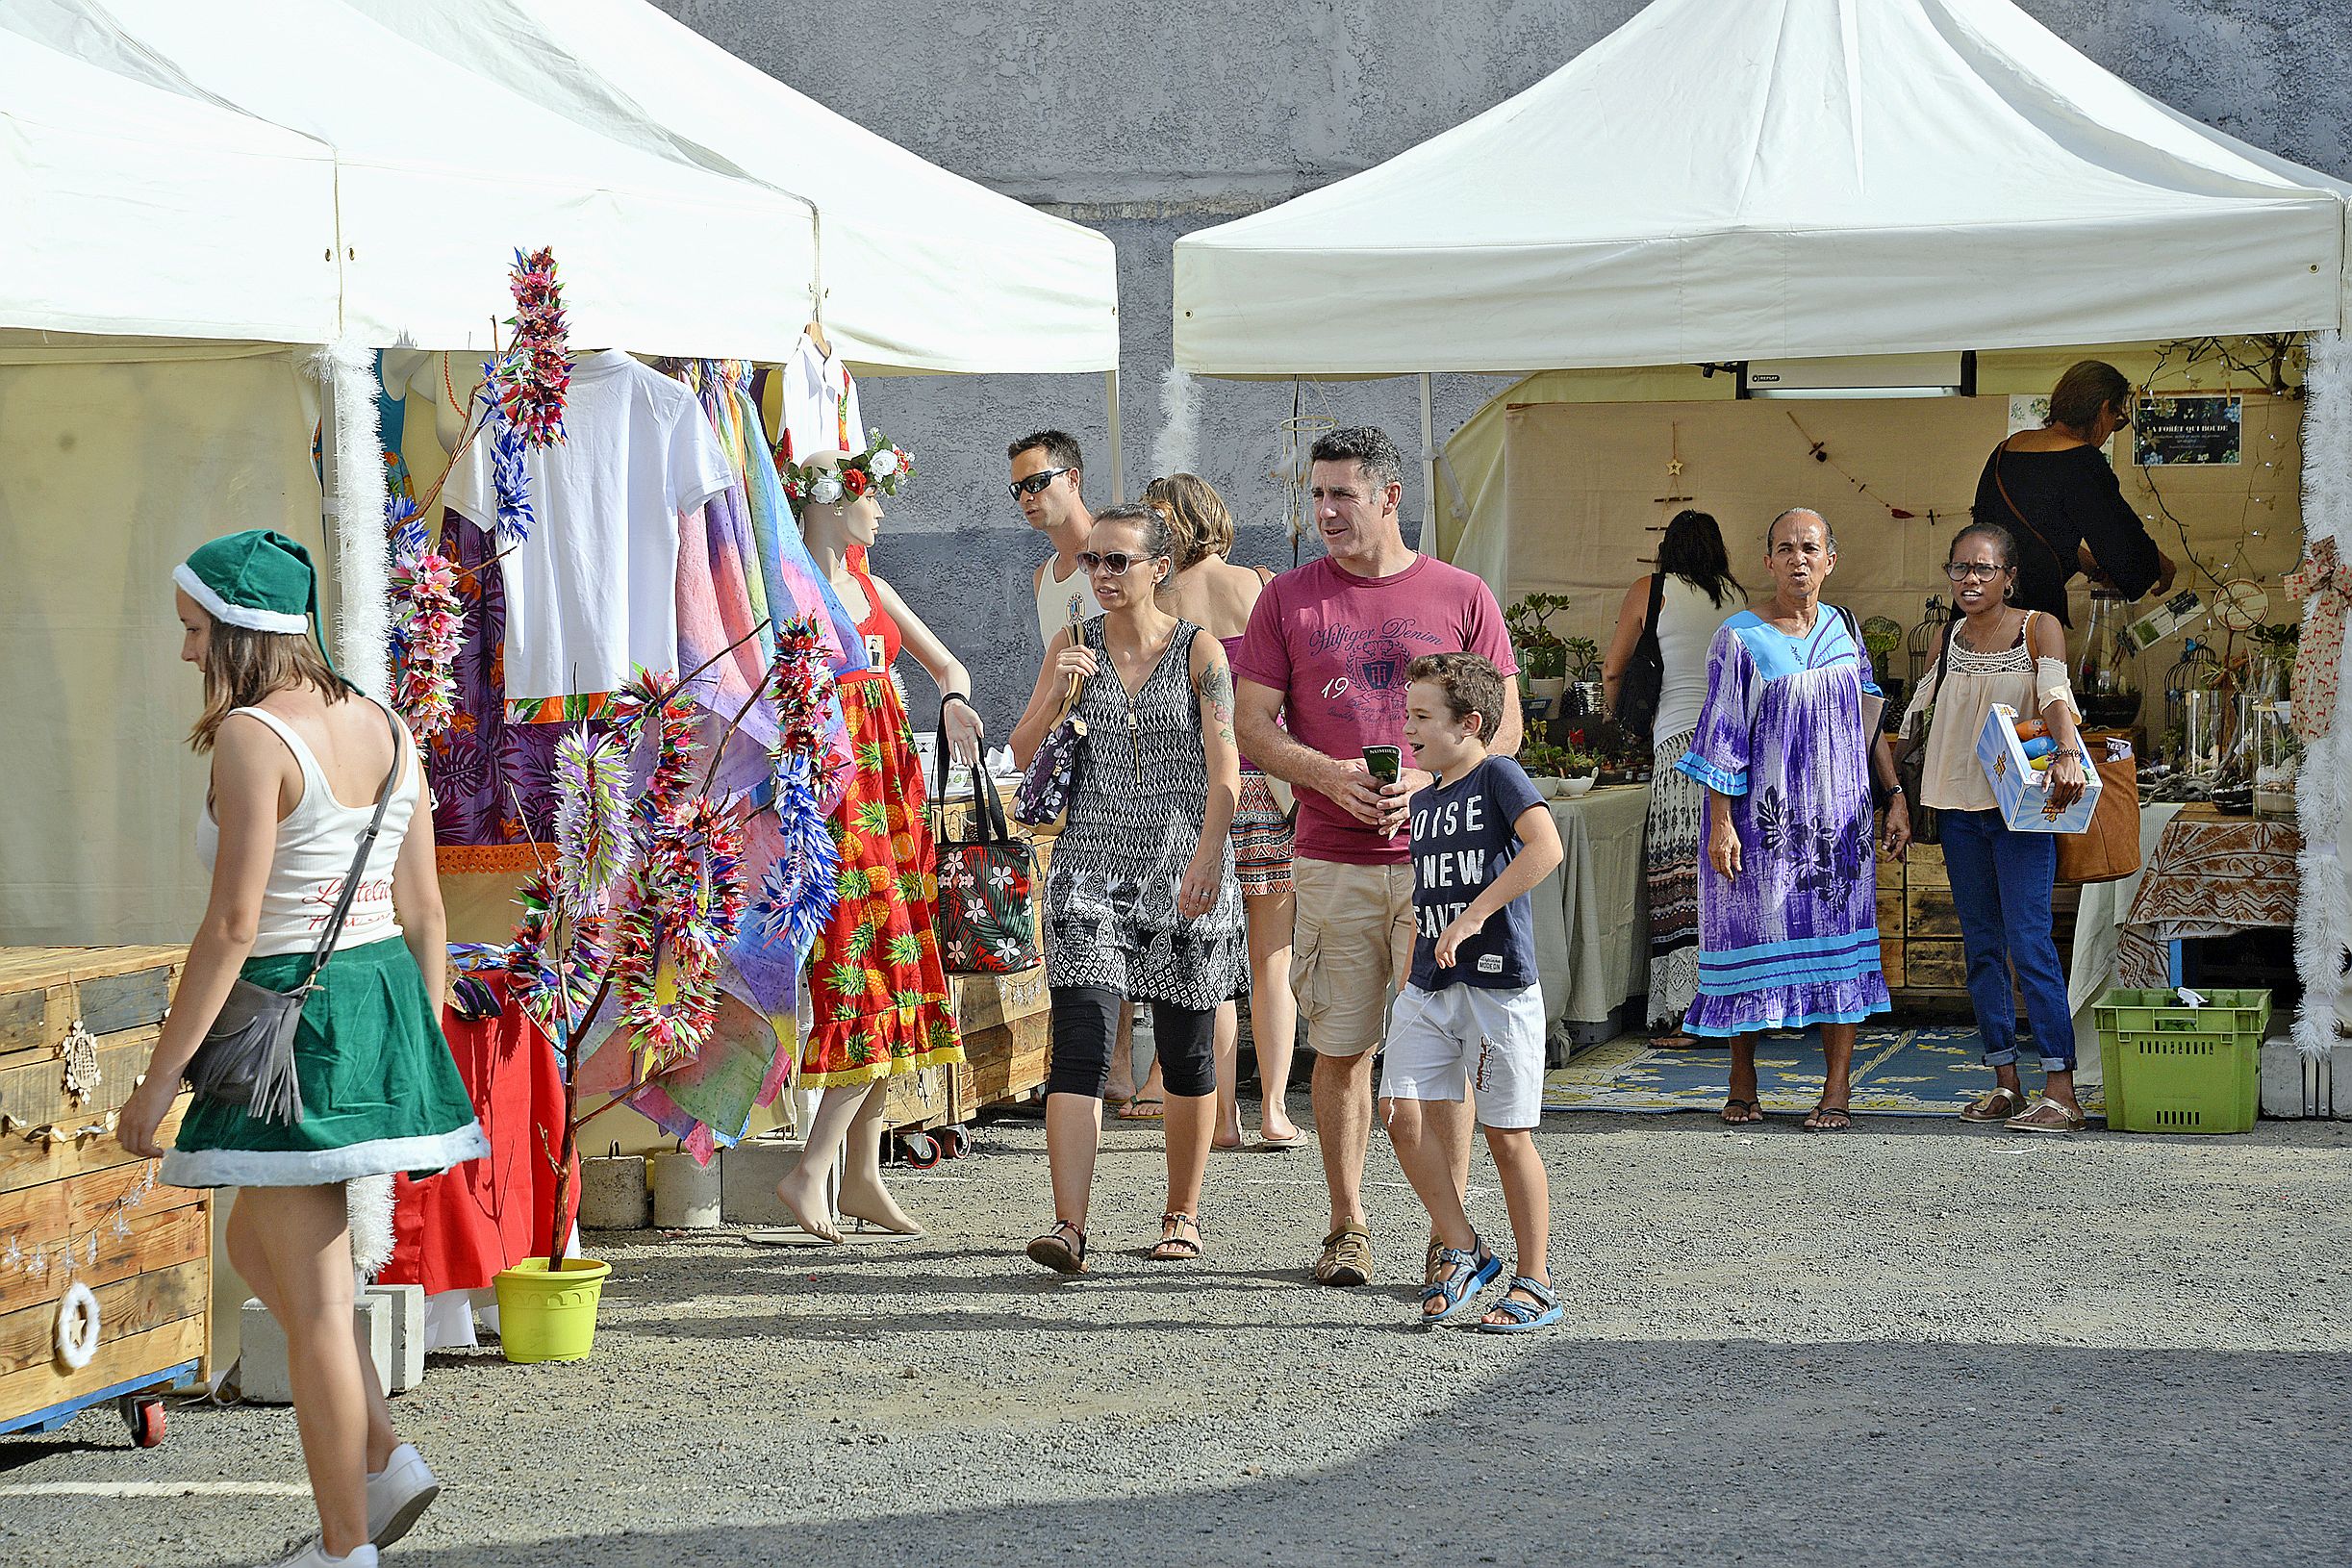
<point x="804" y="1191"/>
<point x="863" y="1197"/>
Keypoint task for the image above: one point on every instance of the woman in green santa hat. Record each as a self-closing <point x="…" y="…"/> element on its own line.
<point x="300" y="763"/>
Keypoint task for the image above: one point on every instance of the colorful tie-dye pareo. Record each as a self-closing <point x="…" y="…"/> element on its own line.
<point x="1793" y="938"/>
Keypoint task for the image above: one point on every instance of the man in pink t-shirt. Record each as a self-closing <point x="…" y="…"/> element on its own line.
<point x="1322" y="676"/>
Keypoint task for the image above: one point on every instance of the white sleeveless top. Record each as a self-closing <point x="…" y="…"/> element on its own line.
<point x="1687" y="623"/>
<point x="1057" y="601"/>
<point x="313" y="854"/>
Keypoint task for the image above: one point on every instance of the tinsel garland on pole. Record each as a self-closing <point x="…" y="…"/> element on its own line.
<point x="363" y="556"/>
<point x="2323" y="793"/>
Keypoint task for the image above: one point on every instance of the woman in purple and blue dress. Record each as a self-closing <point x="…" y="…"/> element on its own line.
<point x="1789" y="933"/>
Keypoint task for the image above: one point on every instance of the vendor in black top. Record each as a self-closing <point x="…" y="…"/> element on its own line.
<point x="2052" y="488"/>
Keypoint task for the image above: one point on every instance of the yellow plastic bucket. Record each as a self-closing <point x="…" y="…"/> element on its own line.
<point x="545" y="1316"/>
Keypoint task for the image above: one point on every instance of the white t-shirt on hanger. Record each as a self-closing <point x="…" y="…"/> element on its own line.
<point x="592" y="593"/>
<point x="821" y="408"/>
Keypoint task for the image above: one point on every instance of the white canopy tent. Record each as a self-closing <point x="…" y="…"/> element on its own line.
<point x="191" y="182"/>
<point x="439" y="172"/>
<point x="1806" y="179"/>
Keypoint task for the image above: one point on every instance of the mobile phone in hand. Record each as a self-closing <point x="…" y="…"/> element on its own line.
<point x="1385" y="762"/>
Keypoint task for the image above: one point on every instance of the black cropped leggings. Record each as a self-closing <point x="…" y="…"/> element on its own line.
<point x="1086" y="1022"/>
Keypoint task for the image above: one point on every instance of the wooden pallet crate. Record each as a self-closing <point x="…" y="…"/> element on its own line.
<point x="75" y="1208"/>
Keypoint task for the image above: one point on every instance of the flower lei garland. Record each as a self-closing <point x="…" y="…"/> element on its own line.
<point x="510" y="482"/>
<point x="557" y="998"/>
<point x="537" y="371"/>
<point x="428" y="624"/>
<point x="686" y="894"/>
<point x="798" y="892"/>
<point x="880" y="468"/>
<point x="593" y="847"/>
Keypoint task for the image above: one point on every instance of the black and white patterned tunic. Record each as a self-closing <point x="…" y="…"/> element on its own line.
<point x="1133" y="826"/>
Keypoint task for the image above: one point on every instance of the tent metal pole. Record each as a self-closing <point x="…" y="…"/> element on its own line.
<point x="1119" y="466"/>
<point x="1428" y="469"/>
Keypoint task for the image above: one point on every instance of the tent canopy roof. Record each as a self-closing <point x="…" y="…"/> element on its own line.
<point x="1776" y="179"/>
<point x="234" y="218"/>
<point x="921" y="268"/>
<point x="686" y="193"/>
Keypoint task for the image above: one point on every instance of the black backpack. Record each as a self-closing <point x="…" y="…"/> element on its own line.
<point x="1644" y="681"/>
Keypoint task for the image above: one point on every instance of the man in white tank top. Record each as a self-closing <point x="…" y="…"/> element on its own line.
<point x="1047" y="473"/>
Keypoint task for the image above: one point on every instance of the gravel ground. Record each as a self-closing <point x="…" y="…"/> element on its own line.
<point x="1908" y="1344"/>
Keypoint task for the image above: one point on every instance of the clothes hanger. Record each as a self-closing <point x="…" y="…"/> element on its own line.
<point x="814" y="331"/>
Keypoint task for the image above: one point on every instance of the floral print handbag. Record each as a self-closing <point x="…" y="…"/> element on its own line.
<point x="1052" y="782"/>
<point x="986" y="920"/>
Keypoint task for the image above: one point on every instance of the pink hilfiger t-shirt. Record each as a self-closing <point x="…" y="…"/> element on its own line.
<point x="1338" y="646"/>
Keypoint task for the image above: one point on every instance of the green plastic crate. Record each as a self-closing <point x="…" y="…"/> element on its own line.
<point x="2171" y="1067"/>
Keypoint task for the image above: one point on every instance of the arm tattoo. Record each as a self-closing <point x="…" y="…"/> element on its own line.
<point x="1217" y="691"/>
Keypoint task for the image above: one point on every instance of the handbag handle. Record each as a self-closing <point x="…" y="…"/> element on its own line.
<point x="987" y="800"/>
<point x="359" y="862"/>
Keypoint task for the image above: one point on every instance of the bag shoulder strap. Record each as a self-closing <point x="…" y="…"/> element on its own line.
<point x="325" y="949"/>
<point x="2014" y="511"/>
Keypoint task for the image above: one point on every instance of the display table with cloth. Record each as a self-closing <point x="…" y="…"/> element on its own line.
<point x="454" y="1232"/>
<point x="2210" y="876"/>
<point x="1592" y="926"/>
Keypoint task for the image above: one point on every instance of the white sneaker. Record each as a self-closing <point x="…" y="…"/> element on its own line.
<point x="313" y="1554"/>
<point x="397" y="1497"/>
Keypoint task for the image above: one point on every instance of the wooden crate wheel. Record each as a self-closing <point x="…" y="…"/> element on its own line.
<point x="145" y="1416"/>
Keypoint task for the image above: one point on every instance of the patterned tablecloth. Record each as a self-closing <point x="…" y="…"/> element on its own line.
<point x="2211" y="875"/>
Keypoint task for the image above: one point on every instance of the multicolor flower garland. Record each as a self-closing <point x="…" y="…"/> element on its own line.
<point x="537" y="371"/>
<point x="428" y="624"/>
<point x="593" y="842"/>
<point x="685" y="892"/>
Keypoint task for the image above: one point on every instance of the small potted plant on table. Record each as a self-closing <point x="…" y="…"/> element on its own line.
<point x="1543" y="655"/>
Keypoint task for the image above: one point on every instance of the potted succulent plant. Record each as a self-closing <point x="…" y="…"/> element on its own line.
<point x="1543" y="654"/>
<point x="1578" y="767"/>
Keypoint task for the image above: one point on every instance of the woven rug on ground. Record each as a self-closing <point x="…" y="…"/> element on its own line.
<point x="1930" y="1070"/>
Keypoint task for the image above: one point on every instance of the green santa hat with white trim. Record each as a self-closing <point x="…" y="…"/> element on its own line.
<point x="260" y="580"/>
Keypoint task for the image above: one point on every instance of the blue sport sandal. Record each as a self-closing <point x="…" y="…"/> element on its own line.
<point x="1526" y="1316"/>
<point x="1467" y="1272"/>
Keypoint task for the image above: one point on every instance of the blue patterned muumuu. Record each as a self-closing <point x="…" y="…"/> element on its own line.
<point x="1793" y="938"/>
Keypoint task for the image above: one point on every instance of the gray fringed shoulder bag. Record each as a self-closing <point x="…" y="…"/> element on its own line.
<point x="247" y="1056"/>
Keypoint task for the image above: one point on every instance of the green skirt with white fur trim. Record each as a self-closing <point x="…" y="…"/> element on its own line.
<point x="380" y="1090"/>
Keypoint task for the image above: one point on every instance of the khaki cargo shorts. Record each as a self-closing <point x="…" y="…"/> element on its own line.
<point x="1353" y="945"/>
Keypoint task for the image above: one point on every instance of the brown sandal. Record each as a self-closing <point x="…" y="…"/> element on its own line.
<point x="1997" y="1104"/>
<point x="1175" y="1247"/>
<point x="1054" y="1248"/>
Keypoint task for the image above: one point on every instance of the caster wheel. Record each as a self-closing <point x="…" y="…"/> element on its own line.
<point x="919" y="1152"/>
<point x="145" y="1419"/>
<point x="954" y="1142"/>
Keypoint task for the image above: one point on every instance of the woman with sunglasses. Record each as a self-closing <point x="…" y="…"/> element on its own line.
<point x="1996" y="651"/>
<point x="2052" y="488"/>
<point x="1213" y="593"/>
<point x="1141" y="898"/>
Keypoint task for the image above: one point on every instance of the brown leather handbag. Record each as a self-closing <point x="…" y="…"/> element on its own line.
<point x="2107" y="850"/>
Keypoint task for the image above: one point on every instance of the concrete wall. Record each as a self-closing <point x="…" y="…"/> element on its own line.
<point x="1148" y="120"/>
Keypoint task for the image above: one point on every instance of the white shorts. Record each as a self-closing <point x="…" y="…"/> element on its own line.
<point x="1467" y="1035"/>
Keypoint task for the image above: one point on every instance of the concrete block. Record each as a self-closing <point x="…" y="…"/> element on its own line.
<point x="2287" y="1081"/>
<point x="2336" y="1069"/>
<point x="685" y="1193"/>
<point x="613" y="1193"/>
<point x="261" y="1372"/>
<point x="751" y="1172"/>
<point x="404" y="1309"/>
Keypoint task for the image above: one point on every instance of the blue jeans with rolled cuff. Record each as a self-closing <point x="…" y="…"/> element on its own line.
<point x="2001" y="881"/>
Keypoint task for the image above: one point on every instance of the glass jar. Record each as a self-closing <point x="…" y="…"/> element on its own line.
<point x="2106" y="681"/>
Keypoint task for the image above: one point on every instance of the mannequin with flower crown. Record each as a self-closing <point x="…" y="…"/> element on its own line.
<point x="875" y="993"/>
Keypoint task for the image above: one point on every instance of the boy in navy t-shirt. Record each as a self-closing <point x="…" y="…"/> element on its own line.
<point x="1471" y="1012"/>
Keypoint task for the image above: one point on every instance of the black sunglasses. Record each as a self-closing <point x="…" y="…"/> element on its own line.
<point x="1036" y="483"/>
<point x="1114" y="562"/>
